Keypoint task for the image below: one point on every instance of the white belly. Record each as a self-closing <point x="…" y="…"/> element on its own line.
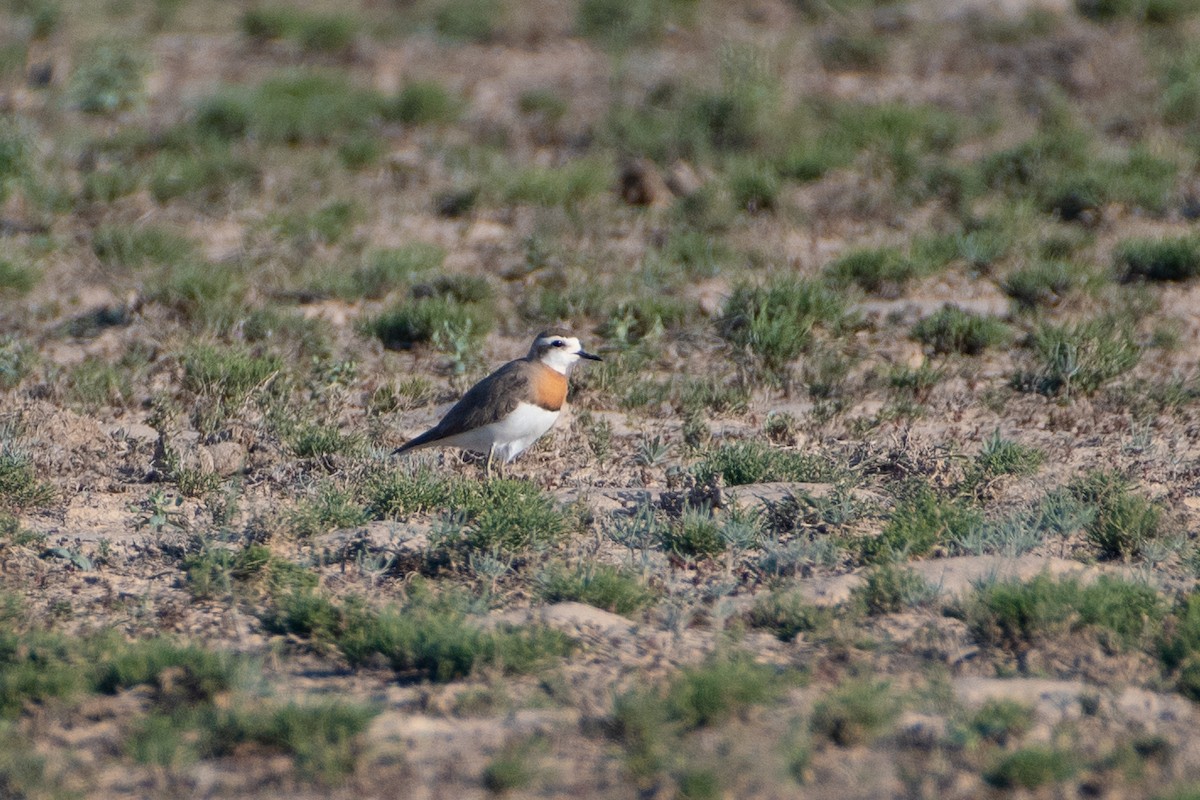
<point x="510" y="436"/>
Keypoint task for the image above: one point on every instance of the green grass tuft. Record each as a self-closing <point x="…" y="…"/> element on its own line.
<point x="1045" y="283"/>
<point x="620" y="24"/>
<point x="421" y="321"/>
<point x="723" y="686"/>
<point x="20" y="489"/>
<point x="1030" y="768"/>
<point x="108" y="78"/>
<point x="696" y="534"/>
<point x="443" y="645"/>
<point x="1017" y="616"/>
<point x="883" y="271"/>
<point x="754" y="185"/>
<point x="1000" y="456"/>
<point x="890" y="589"/>
<point x="651" y="723"/>
<point x="511" y="515"/>
<point x="919" y="524"/>
<point x="323" y="739"/>
<point x="1124" y="523"/>
<point x="598" y="585"/>
<point x="512" y="768"/>
<point x="39" y="668"/>
<point x="291" y="108"/>
<point x="776" y="322"/>
<point x="1078" y="358"/>
<point x="424" y="103"/>
<point x="751" y="461"/>
<point x="229" y="374"/>
<point x="400" y="492"/>
<point x="1159" y="259"/>
<point x="119" y="246"/>
<point x="180" y="673"/>
<point x="313" y="440"/>
<point x="787" y="614"/>
<point x="1002" y="720"/>
<point x="566" y="186"/>
<point x="855" y="712"/>
<point x="471" y="20"/>
<point x="17" y="278"/>
<point x="207" y="172"/>
<point x="953" y="330"/>
<point x="330" y="508"/>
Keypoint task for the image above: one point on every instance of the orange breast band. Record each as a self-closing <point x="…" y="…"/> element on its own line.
<point x="549" y="388"/>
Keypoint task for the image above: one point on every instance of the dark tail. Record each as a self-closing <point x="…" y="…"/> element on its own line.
<point x="424" y="440"/>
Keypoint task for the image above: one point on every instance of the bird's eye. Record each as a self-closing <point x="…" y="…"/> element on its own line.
<point x="558" y="343"/>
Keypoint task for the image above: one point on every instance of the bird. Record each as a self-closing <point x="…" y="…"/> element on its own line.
<point x="506" y="412"/>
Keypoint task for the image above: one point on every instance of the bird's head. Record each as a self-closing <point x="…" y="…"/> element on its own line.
<point x="558" y="350"/>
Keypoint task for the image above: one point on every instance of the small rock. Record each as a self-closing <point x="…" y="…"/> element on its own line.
<point x="228" y="458"/>
<point x="1149" y="707"/>
<point x="921" y="731"/>
<point x="406" y="168"/>
<point x="40" y="75"/>
<point x="483" y="232"/>
<point x="133" y="431"/>
<point x="641" y="184"/>
<point x="683" y="180"/>
<point x="581" y="615"/>
<point x="196" y="457"/>
<point x="1053" y="699"/>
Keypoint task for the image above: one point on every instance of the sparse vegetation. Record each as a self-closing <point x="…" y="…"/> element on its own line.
<point x="1001" y="720"/>
<point x="776" y="322"/>
<point x="855" y="712"/>
<point x="890" y="589"/>
<point x="595" y="584"/>
<point x="919" y="524"/>
<point x="291" y="108"/>
<point x="110" y="78"/>
<point x="752" y="462"/>
<point x="1000" y="456"/>
<point x="314" y="33"/>
<point x="20" y="488"/>
<point x="1045" y="283"/>
<point x="1124" y="523"/>
<point x="895" y="305"/>
<point x="424" y="103"/>
<point x="953" y="330"/>
<point x="1019" y="616"/>
<point x="652" y="723"/>
<point x="1030" y="768"/>
<point x="421" y="321"/>
<point x="787" y="614"/>
<point x="1159" y="260"/>
<point x="430" y="637"/>
<point x="1078" y="359"/>
<point x="882" y="271"/>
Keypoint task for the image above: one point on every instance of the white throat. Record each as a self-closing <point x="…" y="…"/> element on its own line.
<point x="560" y="360"/>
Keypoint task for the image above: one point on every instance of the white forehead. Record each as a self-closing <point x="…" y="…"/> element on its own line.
<point x="571" y="342"/>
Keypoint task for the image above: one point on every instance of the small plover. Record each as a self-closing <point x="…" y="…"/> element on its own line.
<point x="510" y="409"/>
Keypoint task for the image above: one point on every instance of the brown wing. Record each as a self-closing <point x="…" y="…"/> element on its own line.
<point x="488" y="401"/>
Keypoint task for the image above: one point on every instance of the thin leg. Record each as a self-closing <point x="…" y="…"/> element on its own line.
<point x="487" y="467"/>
